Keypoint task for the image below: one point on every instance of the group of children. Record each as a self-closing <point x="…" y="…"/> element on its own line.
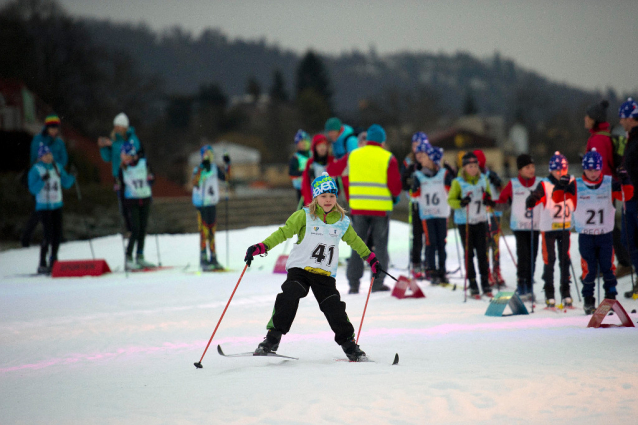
<point x="548" y="208"/>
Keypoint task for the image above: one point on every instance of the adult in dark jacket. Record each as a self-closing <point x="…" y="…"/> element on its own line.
<point x="49" y="137"/>
<point x="628" y="114"/>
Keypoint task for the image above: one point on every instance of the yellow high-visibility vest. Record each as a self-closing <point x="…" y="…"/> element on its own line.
<point x="368" y="168"/>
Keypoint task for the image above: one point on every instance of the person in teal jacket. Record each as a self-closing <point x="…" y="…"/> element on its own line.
<point x="110" y="148"/>
<point x="46" y="180"/>
<point x="49" y="137"/>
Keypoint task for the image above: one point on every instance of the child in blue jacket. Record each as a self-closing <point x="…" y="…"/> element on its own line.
<point x="46" y="180"/>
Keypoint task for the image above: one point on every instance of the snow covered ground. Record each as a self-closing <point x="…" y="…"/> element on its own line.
<point x="117" y="349"/>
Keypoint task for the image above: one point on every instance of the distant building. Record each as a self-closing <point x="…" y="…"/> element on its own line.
<point x="454" y="141"/>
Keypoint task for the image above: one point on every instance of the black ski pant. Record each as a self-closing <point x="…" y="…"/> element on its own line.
<point x="29" y="228"/>
<point x="416" y="255"/>
<point x="52" y="221"/>
<point x="550" y="240"/>
<point x="297" y="285"/>
<point x="526" y="260"/>
<point x="475" y="242"/>
<point x="435" y="240"/>
<point x="378" y="228"/>
<point x="138" y="212"/>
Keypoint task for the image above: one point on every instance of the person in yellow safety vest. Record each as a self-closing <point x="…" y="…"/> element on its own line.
<point x="375" y="186"/>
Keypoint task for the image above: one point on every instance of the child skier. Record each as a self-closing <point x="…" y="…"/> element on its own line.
<point x="555" y="224"/>
<point x="408" y="168"/>
<point x="432" y="183"/>
<point x="494" y="222"/>
<point x="593" y="197"/>
<point x="313" y="265"/>
<point x="469" y="196"/>
<point x="135" y="181"/>
<point x="298" y="161"/>
<point x="515" y="192"/>
<point x="206" y="177"/>
<point x="46" y="180"/>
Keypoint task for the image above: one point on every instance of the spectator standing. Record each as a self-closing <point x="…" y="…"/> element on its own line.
<point x="375" y="185"/>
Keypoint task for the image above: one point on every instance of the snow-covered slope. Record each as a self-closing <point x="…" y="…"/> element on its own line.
<point x="118" y="349"/>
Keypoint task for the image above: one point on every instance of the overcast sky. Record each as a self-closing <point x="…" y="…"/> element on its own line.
<point x="586" y="43"/>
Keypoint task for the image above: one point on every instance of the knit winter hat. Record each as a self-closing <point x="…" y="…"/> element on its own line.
<point x="629" y="109"/>
<point x="128" y="149"/>
<point x="300" y="136"/>
<point x="558" y="162"/>
<point x="324" y="184"/>
<point x="205" y="149"/>
<point x="424" y="146"/>
<point x="436" y="154"/>
<point x="333" y="124"/>
<point x="469" y="158"/>
<point x="43" y="150"/>
<point x="52" y="120"/>
<point x="523" y="160"/>
<point x="481" y="158"/>
<point x="598" y="111"/>
<point x="419" y="136"/>
<point x="121" y="120"/>
<point x="592" y="160"/>
<point x="376" y="133"/>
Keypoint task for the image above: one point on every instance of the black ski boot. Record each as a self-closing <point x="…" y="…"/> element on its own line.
<point x="590" y="305"/>
<point x="443" y="280"/>
<point x="270" y="344"/>
<point x="485" y="285"/>
<point x="632" y="294"/>
<point x="353" y="352"/>
<point x="474" y="290"/>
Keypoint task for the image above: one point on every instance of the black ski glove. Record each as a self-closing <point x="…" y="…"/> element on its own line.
<point x="487" y="201"/>
<point x="495" y="179"/>
<point x="564" y="181"/>
<point x="531" y="201"/>
<point x="253" y="250"/>
<point x="466" y="201"/>
<point x="46" y="176"/>
<point x="226" y="158"/>
<point x="623" y="176"/>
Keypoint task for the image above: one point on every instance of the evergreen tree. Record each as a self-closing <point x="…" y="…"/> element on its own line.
<point x="278" y="88"/>
<point x="469" y="105"/>
<point x="312" y="74"/>
<point x="253" y="88"/>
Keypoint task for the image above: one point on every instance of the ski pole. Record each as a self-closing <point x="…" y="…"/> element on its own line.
<point x="86" y="226"/>
<point x="227" y="214"/>
<point x="387" y="274"/>
<point x="458" y="251"/>
<point x="531" y="254"/>
<point x="364" y="309"/>
<point x="467" y="249"/>
<point x="575" y="279"/>
<point x="159" y="259"/>
<point x="199" y="363"/>
<point x="508" y="247"/>
<point x="565" y="243"/>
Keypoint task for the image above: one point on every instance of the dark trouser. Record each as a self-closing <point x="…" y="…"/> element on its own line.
<point x="493" y="235"/>
<point x="378" y="228"/>
<point x="138" y="211"/>
<point x="52" y="221"/>
<point x="416" y="256"/>
<point x="435" y="239"/>
<point x="549" y="241"/>
<point x="630" y="230"/>
<point x="297" y="285"/>
<point x="29" y="228"/>
<point x="525" y="260"/>
<point x="207" y="221"/>
<point x="597" y="255"/>
<point x="476" y="241"/>
<point x="124" y="212"/>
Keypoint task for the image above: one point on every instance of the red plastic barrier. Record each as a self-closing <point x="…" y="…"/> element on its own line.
<point x="403" y="284"/>
<point x="602" y="311"/>
<point x="80" y="268"/>
<point x="280" y="265"/>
